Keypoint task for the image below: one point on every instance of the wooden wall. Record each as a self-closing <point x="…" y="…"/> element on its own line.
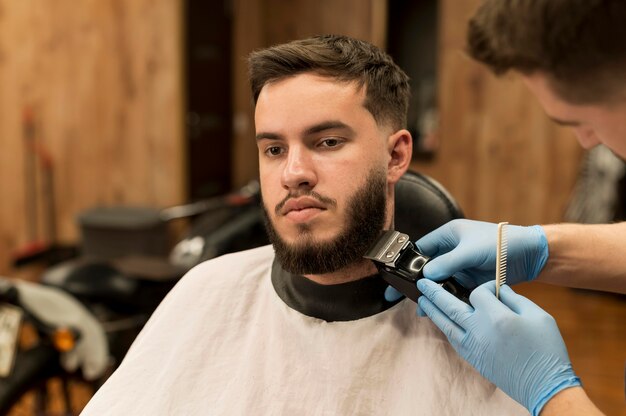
<point x="103" y="79"/>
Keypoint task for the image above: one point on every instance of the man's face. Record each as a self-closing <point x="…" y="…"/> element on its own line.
<point x="593" y="124"/>
<point x="319" y="149"/>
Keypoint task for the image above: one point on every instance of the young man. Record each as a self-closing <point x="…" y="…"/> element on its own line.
<point x="302" y="327"/>
<point x="572" y="56"/>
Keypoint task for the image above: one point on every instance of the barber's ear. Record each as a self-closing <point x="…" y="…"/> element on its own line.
<point x="400" y="147"/>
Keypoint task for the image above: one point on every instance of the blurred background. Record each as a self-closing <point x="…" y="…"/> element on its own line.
<point x="146" y="103"/>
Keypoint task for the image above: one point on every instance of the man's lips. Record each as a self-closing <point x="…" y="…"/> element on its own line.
<point x="300" y="204"/>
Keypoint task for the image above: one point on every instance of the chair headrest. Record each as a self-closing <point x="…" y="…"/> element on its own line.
<point x="422" y="204"/>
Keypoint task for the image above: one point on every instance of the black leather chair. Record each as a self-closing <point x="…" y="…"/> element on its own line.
<point x="422" y="205"/>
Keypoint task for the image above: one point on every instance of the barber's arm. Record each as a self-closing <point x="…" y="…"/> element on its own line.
<point x="572" y="401"/>
<point x="513" y="343"/>
<point x="590" y="256"/>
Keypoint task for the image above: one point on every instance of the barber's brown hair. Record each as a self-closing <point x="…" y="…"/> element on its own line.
<point x="579" y="44"/>
<point x="343" y="59"/>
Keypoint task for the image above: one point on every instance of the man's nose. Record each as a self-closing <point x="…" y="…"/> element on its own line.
<point x="299" y="170"/>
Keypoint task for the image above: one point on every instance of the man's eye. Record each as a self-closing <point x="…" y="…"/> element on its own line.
<point x="331" y="142"/>
<point x="273" y="150"/>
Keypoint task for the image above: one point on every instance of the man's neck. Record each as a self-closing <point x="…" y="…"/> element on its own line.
<point x="349" y="273"/>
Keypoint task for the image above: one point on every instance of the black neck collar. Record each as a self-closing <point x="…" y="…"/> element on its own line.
<point x="342" y="302"/>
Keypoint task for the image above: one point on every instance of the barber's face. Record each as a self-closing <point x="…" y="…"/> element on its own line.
<point x="592" y="124"/>
<point x="317" y="146"/>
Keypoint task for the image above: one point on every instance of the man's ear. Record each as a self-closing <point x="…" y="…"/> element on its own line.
<point x="400" y="147"/>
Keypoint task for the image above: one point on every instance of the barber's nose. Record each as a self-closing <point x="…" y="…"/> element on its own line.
<point x="299" y="171"/>
<point x="586" y="137"/>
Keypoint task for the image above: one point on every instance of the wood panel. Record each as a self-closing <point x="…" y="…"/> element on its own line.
<point x="499" y="155"/>
<point x="103" y="78"/>
<point x="247" y="36"/>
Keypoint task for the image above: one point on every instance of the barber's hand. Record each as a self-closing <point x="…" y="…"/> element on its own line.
<point x="467" y="250"/>
<point x="512" y="342"/>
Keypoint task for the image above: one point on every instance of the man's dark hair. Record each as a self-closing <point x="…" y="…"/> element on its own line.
<point x="341" y="58"/>
<point x="579" y="44"/>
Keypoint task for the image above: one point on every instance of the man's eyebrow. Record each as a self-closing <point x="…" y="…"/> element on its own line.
<point x="564" y="123"/>
<point x="316" y="128"/>
<point x="268" y="136"/>
<point x="327" y="125"/>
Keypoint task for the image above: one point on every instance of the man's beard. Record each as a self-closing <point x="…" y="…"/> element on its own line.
<point x="365" y="218"/>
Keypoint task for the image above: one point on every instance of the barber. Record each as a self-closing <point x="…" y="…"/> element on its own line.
<point x="571" y="54"/>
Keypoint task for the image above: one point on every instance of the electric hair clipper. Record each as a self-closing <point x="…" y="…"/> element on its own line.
<point x="401" y="265"/>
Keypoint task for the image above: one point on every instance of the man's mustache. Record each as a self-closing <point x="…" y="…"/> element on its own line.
<point x="311" y="194"/>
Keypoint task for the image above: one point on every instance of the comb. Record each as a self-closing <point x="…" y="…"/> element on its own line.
<point x="501" y="252"/>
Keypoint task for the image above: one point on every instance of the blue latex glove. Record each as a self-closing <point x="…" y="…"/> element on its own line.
<point x="513" y="342"/>
<point x="466" y="249"/>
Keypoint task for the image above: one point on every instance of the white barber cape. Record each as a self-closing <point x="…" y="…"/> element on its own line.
<point x="224" y="343"/>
